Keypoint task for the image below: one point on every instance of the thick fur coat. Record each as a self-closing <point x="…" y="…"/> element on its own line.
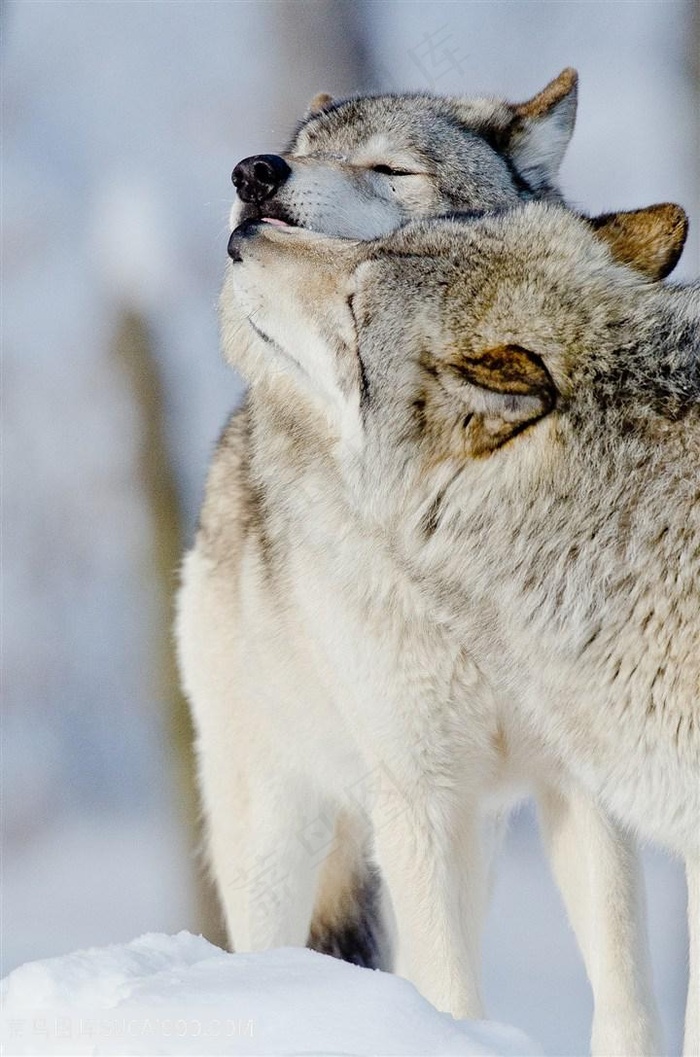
<point x="500" y="509"/>
<point x="327" y="689"/>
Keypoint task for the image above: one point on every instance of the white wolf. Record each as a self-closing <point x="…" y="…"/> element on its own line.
<point x="497" y="517"/>
<point x="287" y="786"/>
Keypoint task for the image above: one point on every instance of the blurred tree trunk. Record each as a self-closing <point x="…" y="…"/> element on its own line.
<point x="133" y="348"/>
<point x="311" y="38"/>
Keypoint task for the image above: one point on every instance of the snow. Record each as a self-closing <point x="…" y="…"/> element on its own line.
<point x="108" y="880"/>
<point x="179" y="994"/>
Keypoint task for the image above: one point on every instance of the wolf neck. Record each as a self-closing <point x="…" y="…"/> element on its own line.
<point x="657" y="380"/>
<point x="293" y="451"/>
<point x="282" y="416"/>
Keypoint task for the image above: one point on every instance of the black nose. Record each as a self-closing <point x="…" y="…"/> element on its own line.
<point x="258" y="178"/>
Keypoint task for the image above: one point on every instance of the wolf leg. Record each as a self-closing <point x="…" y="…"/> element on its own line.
<point x="691" y="1040"/>
<point x="257" y="810"/>
<point x="350" y="919"/>
<point x="597" y="870"/>
<point x="264" y="871"/>
<point x="431" y="858"/>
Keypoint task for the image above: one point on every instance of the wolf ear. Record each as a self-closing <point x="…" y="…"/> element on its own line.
<point x="541" y="129"/>
<point x="321" y="101"/>
<point x="505" y="389"/>
<point x="648" y="240"/>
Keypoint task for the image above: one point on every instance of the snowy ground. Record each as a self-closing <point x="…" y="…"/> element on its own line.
<point x="108" y="880"/>
<point x="180" y="995"/>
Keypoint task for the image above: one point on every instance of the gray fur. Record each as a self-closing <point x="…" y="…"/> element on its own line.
<point x="527" y="458"/>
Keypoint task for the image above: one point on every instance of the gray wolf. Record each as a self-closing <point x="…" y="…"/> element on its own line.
<point x="500" y="516"/>
<point x="362" y="166"/>
<point x="282" y="781"/>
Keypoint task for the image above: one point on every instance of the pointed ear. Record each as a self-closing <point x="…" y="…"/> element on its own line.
<point x="541" y="130"/>
<point x="319" y="102"/>
<point x="648" y="240"/>
<point x="505" y="389"/>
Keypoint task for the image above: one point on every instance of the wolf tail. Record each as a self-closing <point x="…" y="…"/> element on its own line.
<point x="352" y="919"/>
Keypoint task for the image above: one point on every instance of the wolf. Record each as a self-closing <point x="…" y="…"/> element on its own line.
<point x="360" y="167"/>
<point x="284" y="792"/>
<point x="502" y="501"/>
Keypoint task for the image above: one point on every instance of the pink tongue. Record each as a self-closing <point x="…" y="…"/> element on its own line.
<point x="273" y="220"/>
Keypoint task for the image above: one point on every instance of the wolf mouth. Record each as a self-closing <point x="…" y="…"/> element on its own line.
<point x="269" y="211"/>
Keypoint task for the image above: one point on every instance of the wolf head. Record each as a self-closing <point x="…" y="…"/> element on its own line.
<point x="360" y="167"/>
<point x="450" y="338"/>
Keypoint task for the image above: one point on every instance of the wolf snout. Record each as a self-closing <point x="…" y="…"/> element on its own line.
<point x="257" y="178"/>
<point x="243" y="233"/>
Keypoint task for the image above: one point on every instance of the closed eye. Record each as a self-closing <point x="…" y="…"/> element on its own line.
<point x="388" y="171"/>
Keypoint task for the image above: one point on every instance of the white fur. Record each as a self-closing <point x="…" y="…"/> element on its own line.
<point x="538" y="154"/>
<point x="323" y="703"/>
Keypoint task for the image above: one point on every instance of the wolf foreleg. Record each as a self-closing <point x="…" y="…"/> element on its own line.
<point x="264" y="872"/>
<point x="597" y="870"/>
<point x="431" y="859"/>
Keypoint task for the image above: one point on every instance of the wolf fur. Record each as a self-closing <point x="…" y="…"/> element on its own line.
<point x="286" y="787"/>
<point x="500" y="514"/>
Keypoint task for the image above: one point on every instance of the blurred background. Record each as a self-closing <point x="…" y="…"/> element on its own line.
<point x="121" y="124"/>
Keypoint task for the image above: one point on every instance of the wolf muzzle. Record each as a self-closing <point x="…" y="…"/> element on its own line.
<point x="245" y="231"/>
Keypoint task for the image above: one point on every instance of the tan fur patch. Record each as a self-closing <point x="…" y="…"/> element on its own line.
<point x="552" y="94"/>
<point x="319" y="102"/>
<point x="499" y="740"/>
<point x="649" y="240"/>
<point x="509" y="369"/>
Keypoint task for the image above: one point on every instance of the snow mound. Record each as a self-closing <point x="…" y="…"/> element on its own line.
<point x="181" y="995"/>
